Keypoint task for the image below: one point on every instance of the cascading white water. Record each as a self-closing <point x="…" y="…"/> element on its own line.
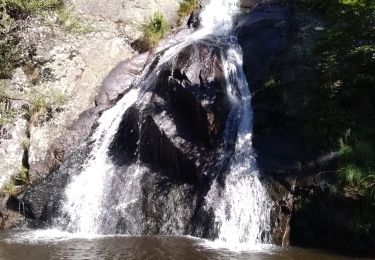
<point x="241" y="208"/>
<point x="85" y="192"/>
<point x="217" y="17"/>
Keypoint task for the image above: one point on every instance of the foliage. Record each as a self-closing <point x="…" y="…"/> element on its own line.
<point x="8" y="53"/>
<point x="186" y="8"/>
<point x="343" y="100"/>
<point x="357" y="170"/>
<point x="15" y="182"/>
<point x="32" y="6"/>
<point x="39" y="102"/>
<point x="369" y="185"/>
<point x="23" y="176"/>
<point x="155" y="29"/>
<point x="341" y="111"/>
<point x="6" y="114"/>
<point x="10" y="188"/>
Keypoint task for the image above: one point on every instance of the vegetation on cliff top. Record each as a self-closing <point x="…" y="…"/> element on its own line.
<point x="31" y="6"/>
<point x="11" y="12"/>
<point x="27" y="100"/>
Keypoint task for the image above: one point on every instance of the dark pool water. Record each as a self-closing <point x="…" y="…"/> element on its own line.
<point x="27" y="245"/>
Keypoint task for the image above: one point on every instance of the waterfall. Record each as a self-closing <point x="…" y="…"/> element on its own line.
<point x="85" y="192"/>
<point x="240" y="206"/>
<point x="217" y="17"/>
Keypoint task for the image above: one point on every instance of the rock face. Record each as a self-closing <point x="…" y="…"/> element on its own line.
<point x="176" y="134"/>
<point x="179" y="137"/>
<point x="73" y="65"/>
<point x="185" y="116"/>
<point x="132" y="14"/>
<point x="267" y="36"/>
<point x="12" y="150"/>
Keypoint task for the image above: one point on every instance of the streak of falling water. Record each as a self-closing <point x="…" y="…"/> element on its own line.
<point x="242" y="207"/>
<point x="85" y="191"/>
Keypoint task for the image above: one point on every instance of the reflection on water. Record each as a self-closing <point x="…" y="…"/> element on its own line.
<point x="27" y="245"/>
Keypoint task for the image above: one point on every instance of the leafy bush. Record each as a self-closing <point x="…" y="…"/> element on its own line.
<point x="351" y="175"/>
<point x="155" y="29"/>
<point x="357" y="168"/>
<point x="22" y="177"/>
<point x="39" y="102"/>
<point x="369" y="185"/>
<point x="340" y="113"/>
<point x="10" y="188"/>
<point x="342" y="100"/>
<point x="33" y="6"/>
<point x="8" y="52"/>
<point x="186" y="8"/>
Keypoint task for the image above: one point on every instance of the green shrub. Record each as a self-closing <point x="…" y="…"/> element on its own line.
<point x="39" y="103"/>
<point x="351" y="175"/>
<point x="23" y="176"/>
<point x="369" y="185"/>
<point x="186" y="8"/>
<point x="155" y="29"/>
<point x="357" y="167"/>
<point x="342" y="98"/>
<point x="9" y="54"/>
<point x="33" y="6"/>
<point x="10" y="188"/>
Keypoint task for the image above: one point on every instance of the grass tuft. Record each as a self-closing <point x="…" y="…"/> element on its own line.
<point x="156" y="29"/>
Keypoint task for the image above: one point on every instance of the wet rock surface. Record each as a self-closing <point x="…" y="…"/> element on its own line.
<point x="179" y="132"/>
<point x="183" y="121"/>
<point x="43" y="201"/>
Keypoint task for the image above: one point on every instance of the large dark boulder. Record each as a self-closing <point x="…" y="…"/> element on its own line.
<point x="181" y="126"/>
